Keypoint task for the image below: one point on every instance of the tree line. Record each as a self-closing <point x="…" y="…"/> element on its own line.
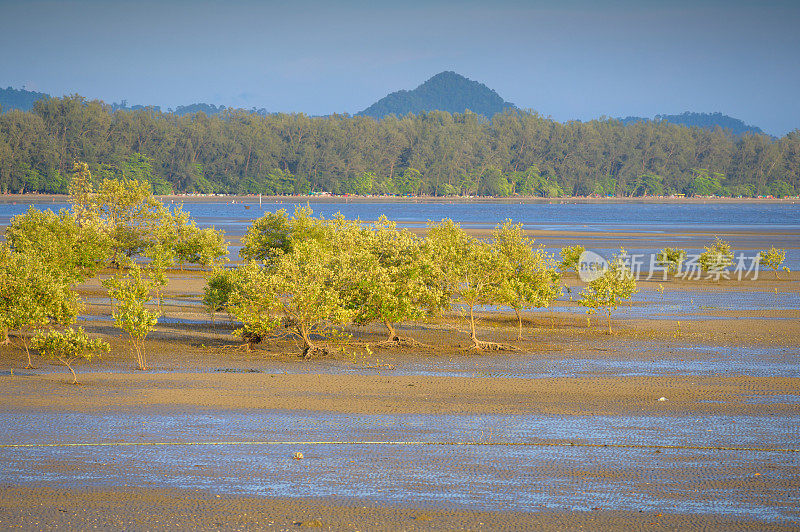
<point x="434" y="153"/>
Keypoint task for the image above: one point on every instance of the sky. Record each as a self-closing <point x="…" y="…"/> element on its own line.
<point x="569" y="59"/>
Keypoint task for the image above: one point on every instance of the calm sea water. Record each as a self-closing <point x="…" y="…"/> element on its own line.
<point x="614" y="217"/>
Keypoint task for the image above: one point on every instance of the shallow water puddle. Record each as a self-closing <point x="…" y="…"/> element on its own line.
<point x="698" y="304"/>
<point x="489" y="477"/>
<point x="651" y="360"/>
<point x="773" y="399"/>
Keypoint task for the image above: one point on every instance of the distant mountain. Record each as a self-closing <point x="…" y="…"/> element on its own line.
<point x="11" y="98"/>
<point x="704" y="120"/>
<point x="19" y="99"/>
<point x="446" y="91"/>
<point x="123" y="106"/>
<point x="211" y="109"/>
<point x="207" y="108"/>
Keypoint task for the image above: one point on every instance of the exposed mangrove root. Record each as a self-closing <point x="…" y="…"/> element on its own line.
<point x="250" y="339"/>
<point x="379" y="366"/>
<point x="481" y="345"/>
<point x="30" y="361"/>
<point x="399" y="341"/>
<point x="314" y="351"/>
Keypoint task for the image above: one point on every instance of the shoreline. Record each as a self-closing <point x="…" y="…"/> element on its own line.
<point x="192" y="198"/>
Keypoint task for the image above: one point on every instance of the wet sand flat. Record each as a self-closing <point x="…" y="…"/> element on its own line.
<point x="27" y="508"/>
<point x="494" y="467"/>
<point x="372" y="394"/>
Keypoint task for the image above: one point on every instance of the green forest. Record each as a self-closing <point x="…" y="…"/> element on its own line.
<point x="433" y="153"/>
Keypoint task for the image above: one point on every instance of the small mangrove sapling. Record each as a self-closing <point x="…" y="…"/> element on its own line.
<point x="773" y="258"/>
<point x="68" y="346"/>
<point x="132" y="292"/>
<point x="716" y="258"/>
<point x="570" y="261"/>
<point x="608" y="291"/>
<point x="531" y="279"/>
<point x="671" y="259"/>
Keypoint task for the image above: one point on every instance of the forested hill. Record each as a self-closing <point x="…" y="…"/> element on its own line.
<point x="706" y="120"/>
<point x="446" y="91"/>
<point x="209" y="109"/>
<point x="435" y="153"/>
<point x="23" y="100"/>
<point x="11" y="98"/>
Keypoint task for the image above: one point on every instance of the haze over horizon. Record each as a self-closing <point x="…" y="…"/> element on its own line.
<point x="568" y="60"/>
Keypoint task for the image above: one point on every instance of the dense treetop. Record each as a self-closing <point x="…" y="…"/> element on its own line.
<point x="437" y="153"/>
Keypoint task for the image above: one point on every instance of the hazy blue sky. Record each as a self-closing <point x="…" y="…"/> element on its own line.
<point x="575" y="59"/>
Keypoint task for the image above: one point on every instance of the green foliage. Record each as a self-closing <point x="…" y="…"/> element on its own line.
<point x="746" y="190"/>
<point x="33" y="295"/>
<point x="494" y="183"/>
<point x="68" y="346"/>
<point x="647" y="185"/>
<point x="532" y="182"/>
<point x="529" y="278"/>
<point x="447" y="91"/>
<point x="606" y="186"/>
<point x="205" y="247"/>
<point x="276" y="182"/>
<point x="446" y="189"/>
<point x="19" y="98"/>
<point x="132" y="292"/>
<point x="781" y="189"/>
<point x="135" y="167"/>
<point x="306" y="286"/>
<point x="608" y="291"/>
<point x="275" y="234"/>
<point x="468" y="183"/>
<point x="408" y="182"/>
<point x="469" y="269"/>
<point x="362" y="183"/>
<point x="253" y="302"/>
<point x="570" y="258"/>
<point x="161" y="257"/>
<point x="124" y="209"/>
<point x="77" y="252"/>
<point x="218" y="290"/>
<point x="716" y="258"/>
<point x="773" y="258"/>
<point x="178" y="239"/>
<point x="392" y="280"/>
<point x="267" y="237"/>
<point x="136" y="223"/>
<point x="705" y="183"/>
<point x="704" y="120"/>
<point x="671" y="259"/>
